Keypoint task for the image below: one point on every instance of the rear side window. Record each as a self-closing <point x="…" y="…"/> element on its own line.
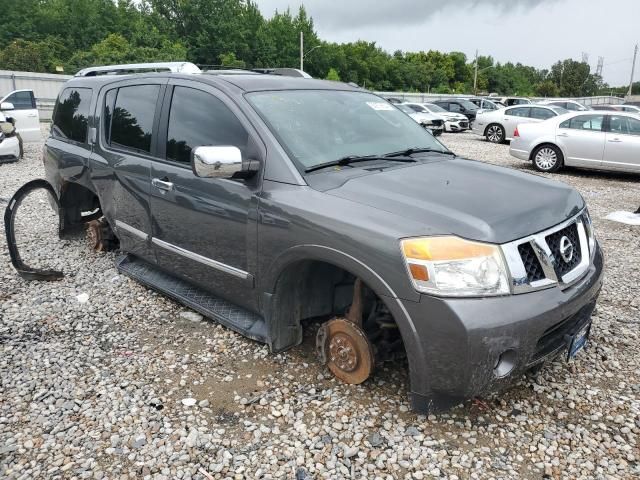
<point x="22" y="100"/>
<point x="132" y="118"/>
<point x="584" y="122"/>
<point x="624" y="125"/>
<point x="71" y="117"/>
<point x="454" y="107"/>
<point x="541" y="113"/>
<point x="198" y="119"/>
<point x="520" y="112"/>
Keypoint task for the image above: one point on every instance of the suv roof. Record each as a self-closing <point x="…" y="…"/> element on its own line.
<point x="247" y="82"/>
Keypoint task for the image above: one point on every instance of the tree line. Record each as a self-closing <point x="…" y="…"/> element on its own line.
<point x="67" y="35"/>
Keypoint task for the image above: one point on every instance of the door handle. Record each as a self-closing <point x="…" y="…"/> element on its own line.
<point x="615" y="140"/>
<point x="563" y="134"/>
<point x="162" y="184"/>
<point x="32" y="115"/>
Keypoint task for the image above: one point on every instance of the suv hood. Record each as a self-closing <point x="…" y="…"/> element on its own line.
<point x="466" y="198"/>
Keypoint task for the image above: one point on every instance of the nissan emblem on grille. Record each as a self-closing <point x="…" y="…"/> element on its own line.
<point x="566" y="249"/>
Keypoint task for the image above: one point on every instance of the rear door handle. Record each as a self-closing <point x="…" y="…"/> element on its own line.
<point x="162" y="184"/>
<point x="563" y="134"/>
<point x="32" y="115"/>
<point x="615" y="140"/>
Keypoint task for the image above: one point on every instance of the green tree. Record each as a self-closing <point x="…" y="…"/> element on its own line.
<point x="547" y="89"/>
<point x="332" y="74"/>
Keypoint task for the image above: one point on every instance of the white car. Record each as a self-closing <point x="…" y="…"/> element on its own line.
<point x="453" y="122"/>
<point x="433" y="123"/>
<point x="9" y="144"/>
<point x="498" y="125"/>
<point x="596" y="139"/>
<point x="21" y="106"/>
<point x="570" y="105"/>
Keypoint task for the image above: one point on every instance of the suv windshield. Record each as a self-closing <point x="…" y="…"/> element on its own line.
<point x="319" y="126"/>
<point x="435" y="108"/>
<point x="467" y="104"/>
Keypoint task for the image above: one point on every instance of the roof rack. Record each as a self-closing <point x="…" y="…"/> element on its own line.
<point x="174" y="67"/>
<point x="285" y="72"/>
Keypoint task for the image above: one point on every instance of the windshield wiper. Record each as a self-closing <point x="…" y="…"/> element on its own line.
<point x="341" y="162"/>
<point x="411" y="151"/>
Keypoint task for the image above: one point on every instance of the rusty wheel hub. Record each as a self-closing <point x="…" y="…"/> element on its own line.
<point x="94" y="236"/>
<point x="345" y="349"/>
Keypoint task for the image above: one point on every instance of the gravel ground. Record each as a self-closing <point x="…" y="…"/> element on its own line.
<point x="102" y="378"/>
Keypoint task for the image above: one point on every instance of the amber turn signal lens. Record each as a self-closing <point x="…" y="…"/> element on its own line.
<point x="419" y="272"/>
<point x="444" y="248"/>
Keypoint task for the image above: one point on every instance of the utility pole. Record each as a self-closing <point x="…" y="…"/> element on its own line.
<point x="475" y="76"/>
<point x="301" y="51"/>
<point x="633" y="70"/>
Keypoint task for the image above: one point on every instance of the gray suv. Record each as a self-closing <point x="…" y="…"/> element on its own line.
<point x="265" y="201"/>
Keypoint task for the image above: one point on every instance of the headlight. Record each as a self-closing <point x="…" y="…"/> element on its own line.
<point x="452" y="266"/>
<point x="588" y="227"/>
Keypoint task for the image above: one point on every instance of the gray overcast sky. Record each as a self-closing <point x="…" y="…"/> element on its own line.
<point x="534" y="32"/>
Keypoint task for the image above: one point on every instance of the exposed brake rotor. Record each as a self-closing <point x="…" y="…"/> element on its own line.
<point x="346" y="350"/>
<point x="99" y="236"/>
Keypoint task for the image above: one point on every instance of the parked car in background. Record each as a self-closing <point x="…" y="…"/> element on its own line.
<point x="628" y="108"/>
<point x="600" y="140"/>
<point x="9" y="143"/>
<point x="499" y="125"/>
<point x="453" y="122"/>
<point x="21" y="106"/>
<point x="608" y="108"/>
<point x="570" y="105"/>
<point x="459" y="105"/>
<point x="485" y="104"/>
<point x="509" y="101"/>
<point x="428" y="120"/>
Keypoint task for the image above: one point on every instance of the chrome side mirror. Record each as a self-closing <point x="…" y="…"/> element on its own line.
<point x="216" y="162"/>
<point x="5" y="106"/>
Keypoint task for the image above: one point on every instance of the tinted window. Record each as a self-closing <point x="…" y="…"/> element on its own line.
<point x="624" y="125"/>
<point x="109" y="101"/>
<point x="416" y="108"/>
<point x="584" y="122"/>
<point x="21" y="100"/>
<point x="133" y="114"/>
<point x="454" y="107"/>
<point x="72" y="114"/>
<point x="573" y="107"/>
<point x="559" y="104"/>
<point x="197" y="119"/>
<point x="519" y="112"/>
<point x="541" y="113"/>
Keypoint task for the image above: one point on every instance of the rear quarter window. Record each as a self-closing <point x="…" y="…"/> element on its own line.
<point x="71" y="116"/>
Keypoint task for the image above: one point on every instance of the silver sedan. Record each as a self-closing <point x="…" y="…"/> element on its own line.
<point x="499" y="125"/>
<point x="599" y="140"/>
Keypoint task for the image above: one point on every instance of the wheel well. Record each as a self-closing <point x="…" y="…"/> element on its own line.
<point x="543" y="144"/>
<point x="314" y="289"/>
<point x="78" y="205"/>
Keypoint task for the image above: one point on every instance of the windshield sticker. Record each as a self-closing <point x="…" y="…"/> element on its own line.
<point x="380" y="105"/>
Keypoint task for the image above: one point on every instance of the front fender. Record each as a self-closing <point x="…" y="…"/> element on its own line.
<point x="408" y="331"/>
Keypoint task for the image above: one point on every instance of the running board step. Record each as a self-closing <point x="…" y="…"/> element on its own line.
<point x="228" y="314"/>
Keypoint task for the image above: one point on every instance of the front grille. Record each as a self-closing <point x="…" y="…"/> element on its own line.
<point x="464" y="124"/>
<point x="562" y="267"/>
<point x="437" y="123"/>
<point x="531" y="263"/>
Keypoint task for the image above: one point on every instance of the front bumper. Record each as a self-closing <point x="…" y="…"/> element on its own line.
<point x="9" y="149"/>
<point x="458" y="343"/>
<point x="457" y="125"/>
